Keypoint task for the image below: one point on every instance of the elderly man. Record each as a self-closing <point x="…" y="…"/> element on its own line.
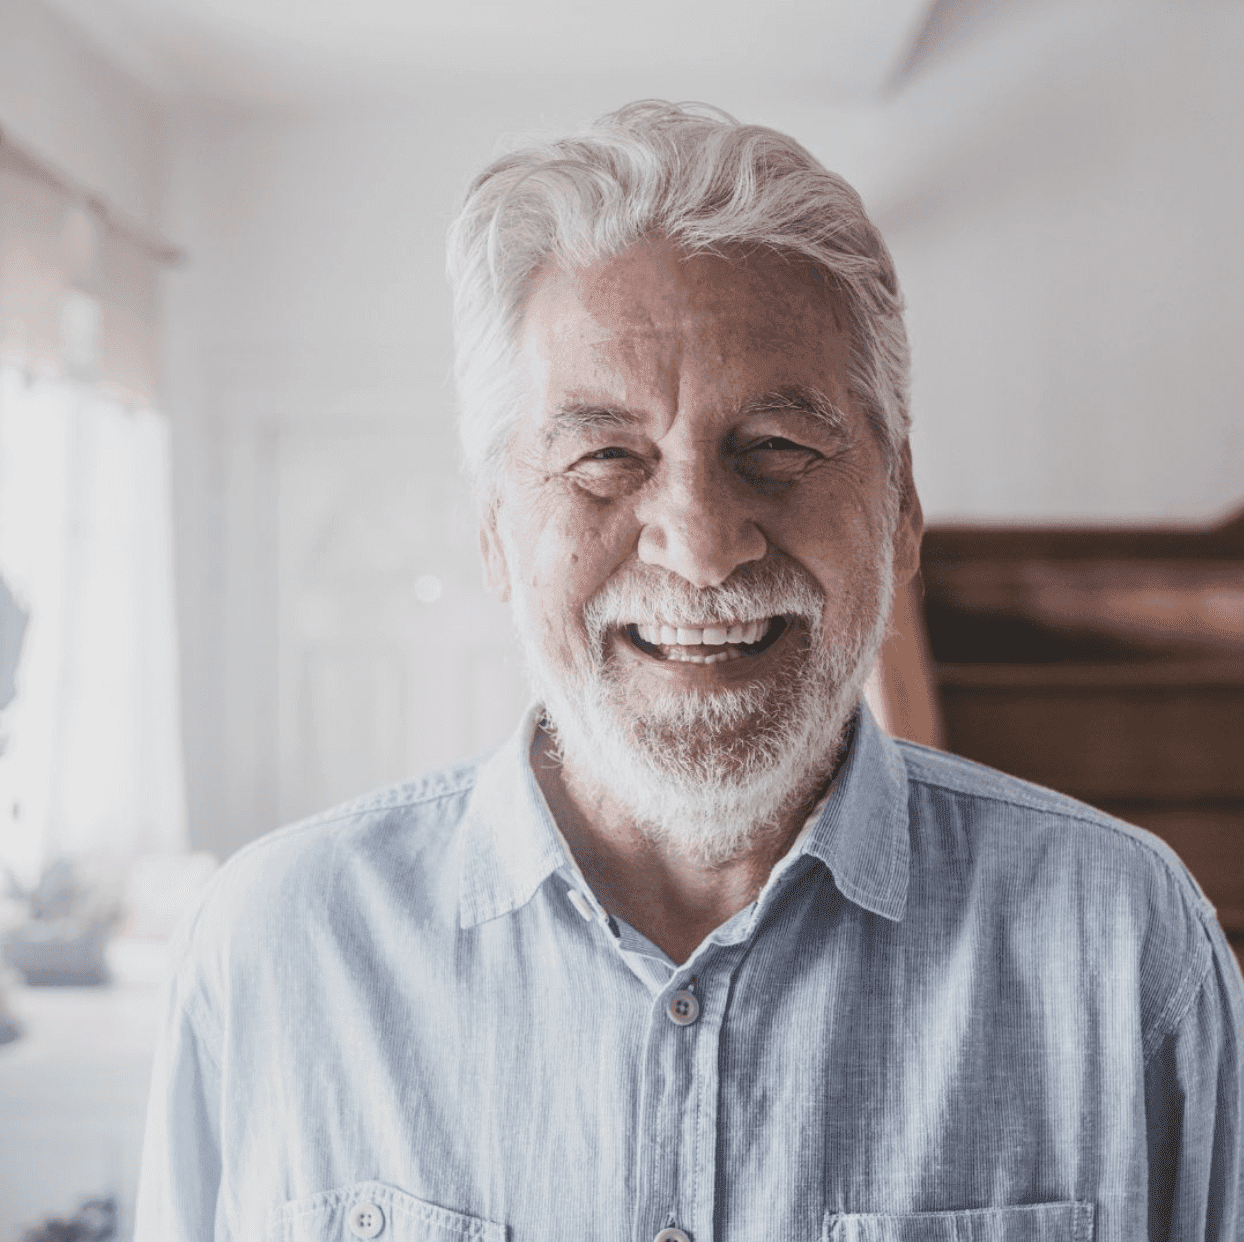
<point x="700" y="953"/>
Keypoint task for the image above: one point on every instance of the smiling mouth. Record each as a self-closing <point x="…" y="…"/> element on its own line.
<point x="712" y="644"/>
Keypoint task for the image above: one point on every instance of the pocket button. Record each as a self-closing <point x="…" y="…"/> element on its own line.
<point x="366" y="1220"/>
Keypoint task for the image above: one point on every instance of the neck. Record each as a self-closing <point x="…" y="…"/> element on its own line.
<point x="662" y="888"/>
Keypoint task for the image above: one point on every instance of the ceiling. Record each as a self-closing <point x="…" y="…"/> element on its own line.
<point x="292" y="52"/>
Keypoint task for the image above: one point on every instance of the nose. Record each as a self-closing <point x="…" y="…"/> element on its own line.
<point x="695" y="522"/>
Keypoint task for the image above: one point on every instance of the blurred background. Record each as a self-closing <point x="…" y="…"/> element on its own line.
<point x="238" y="577"/>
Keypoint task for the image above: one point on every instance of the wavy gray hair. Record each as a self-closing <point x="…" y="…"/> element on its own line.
<point x="688" y="173"/>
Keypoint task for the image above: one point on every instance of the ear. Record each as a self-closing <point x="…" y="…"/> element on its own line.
<point x="910" y="528"/>
<point x="492" y="555"/>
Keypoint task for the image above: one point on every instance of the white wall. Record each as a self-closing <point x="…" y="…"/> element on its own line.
<point x="1063" y="191"/>
<point x="309" y="338"/>
<point x="1060" y="184"/>
<point x="69" y="103"/>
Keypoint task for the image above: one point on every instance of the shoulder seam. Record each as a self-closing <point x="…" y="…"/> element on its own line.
<point x="1099" y="819"/>
<point x="1169" y="1022"/>
<point x="1027" y="804"/>
<point x="348" y="810"/>
<point x="195" y="1008"/>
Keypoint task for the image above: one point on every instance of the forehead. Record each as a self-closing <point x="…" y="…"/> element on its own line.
<point x="658" y="315"/>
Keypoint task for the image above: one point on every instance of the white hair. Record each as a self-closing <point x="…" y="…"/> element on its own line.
<point x="692" y="175"/>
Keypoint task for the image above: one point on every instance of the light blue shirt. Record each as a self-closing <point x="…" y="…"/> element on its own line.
<point x="962" y="1008"/>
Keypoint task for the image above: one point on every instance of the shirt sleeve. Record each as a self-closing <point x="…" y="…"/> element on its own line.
<point x="181" y="1162"/>
<point x="1194" y="1099"/>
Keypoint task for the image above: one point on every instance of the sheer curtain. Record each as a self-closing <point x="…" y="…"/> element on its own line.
<point x="92" y="757"/>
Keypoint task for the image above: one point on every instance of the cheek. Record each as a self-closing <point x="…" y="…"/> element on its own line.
<point x="841" y="544"/>
<point x="563" y="554"/>
<point x="846" y="513"/>
<point x="572" y="559"/>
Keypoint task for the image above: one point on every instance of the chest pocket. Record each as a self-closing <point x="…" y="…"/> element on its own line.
<point x="368" y="1210"/>
<point x="1040" y="1222"/>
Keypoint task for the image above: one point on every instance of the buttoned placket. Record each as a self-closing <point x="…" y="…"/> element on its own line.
<point x="677" y="1134"/>
<point x="680" y="1089"/>
<point x="676" y="1142"/>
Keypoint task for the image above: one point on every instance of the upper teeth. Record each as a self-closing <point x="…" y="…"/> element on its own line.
<point x="711" y="635"/>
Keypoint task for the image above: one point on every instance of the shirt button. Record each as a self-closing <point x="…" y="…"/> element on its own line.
<point x="683" y="1009"/>
<point x="366" y="1220"/>
<point x="672" y="1235"/>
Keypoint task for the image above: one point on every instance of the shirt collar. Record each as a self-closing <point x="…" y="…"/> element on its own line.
<point x="511" y="845"/>
<point x="861" y="834"/>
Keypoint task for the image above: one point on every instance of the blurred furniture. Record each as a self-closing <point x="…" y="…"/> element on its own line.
<point x="902" y="690"/>
<point x="70" y="917"/>
<point x="10" y="1027"/>
<point x="73" y="1091"/>
<point x="1107" y="663"/>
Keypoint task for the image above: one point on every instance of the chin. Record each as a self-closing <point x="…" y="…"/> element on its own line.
<point x="709" y="772"/>
<point x="711" y="767"/>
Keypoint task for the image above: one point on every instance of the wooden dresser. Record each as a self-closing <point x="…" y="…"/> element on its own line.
<point x="1108" y="664"/>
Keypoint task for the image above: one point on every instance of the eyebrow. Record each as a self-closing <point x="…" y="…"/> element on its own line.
<point x="583" y="416"/>
<point x="579" y="416"/>
<point x="801" y="400"/>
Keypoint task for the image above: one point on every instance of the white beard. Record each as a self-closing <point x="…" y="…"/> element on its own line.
<point x="708" y="772"/>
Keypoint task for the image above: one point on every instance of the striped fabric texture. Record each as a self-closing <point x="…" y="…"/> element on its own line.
<point x="963" y="1009"/>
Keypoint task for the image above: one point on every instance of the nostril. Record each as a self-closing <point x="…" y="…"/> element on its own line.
<point x="705" y="552"/>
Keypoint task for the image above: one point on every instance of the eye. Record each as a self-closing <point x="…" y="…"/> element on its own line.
<point x="774" y="460"/>
<point x="777" y="452"/>
<point x="608" y="472"/>
<point x="778" y="444"/>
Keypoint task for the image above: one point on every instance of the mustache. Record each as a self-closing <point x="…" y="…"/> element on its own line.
<point x="758" y="589"/>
